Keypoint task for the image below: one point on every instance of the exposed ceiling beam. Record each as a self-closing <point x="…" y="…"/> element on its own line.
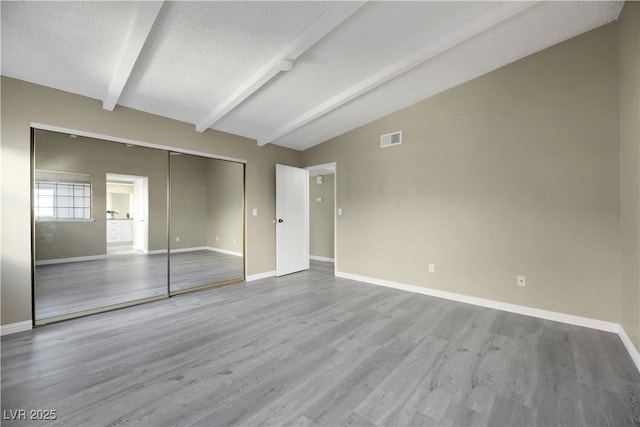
<point x="454" y="38"/>
<point x="329" y="20"/>
<point x="138" y="32"/>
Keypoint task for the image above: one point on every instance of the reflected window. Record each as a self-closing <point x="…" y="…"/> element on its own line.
<point x="62" y="196"/>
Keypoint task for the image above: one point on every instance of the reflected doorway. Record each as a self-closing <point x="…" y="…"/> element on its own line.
<point x="127" y="214"/>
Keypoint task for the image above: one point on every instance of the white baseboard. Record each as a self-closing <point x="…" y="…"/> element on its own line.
<point x="512" y="308"/>
<point x="259" y="276"/>
<point x="224" y="251"/>
<point x="198" y="248"/>
<point x="633" y="351"/>
<point x="156" y="251"/>
<point x="14" y="328"/>
<point x="321" y="258"/>
<point x="72" y="259"/>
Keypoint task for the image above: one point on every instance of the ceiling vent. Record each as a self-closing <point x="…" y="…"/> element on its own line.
<point x="394" y="138"/>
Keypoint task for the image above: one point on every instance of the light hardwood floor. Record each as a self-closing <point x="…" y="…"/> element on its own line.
<point x="312" y="349"/>
<point x="76" y="286"/>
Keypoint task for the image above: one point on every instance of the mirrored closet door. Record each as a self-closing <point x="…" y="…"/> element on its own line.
<point x="206" y="226"/>
<point x="101" y="222"/>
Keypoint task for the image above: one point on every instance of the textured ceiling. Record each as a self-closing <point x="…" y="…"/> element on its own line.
<point x="216" y="64"/>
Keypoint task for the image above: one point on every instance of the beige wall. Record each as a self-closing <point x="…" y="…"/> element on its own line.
<point x="629" y="52"/>
<point x="321" y="217"/>
<point x="206" y="203"/>
<point x="513" y="173"/>
<point x="224" y="206"/>
<point x="189" y="185"/>
<point x="24" y="103"/>
<point x="57" y="152"/>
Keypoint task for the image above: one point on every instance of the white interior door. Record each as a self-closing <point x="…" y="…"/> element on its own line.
<point x="292" y="219"/>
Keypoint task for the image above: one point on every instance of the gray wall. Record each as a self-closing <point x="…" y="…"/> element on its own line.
<point x="513" y="173"/>
<point x="321" y="217"/>
<point x="629" y="50"/>
<point x="58" y="152"/>
<point x="25" y="103"/>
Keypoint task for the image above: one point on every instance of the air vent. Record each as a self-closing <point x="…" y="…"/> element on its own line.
<point x="390" y="139"/>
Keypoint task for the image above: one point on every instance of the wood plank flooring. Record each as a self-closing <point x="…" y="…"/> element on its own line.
<point x="312" y="349"/>
<point x="62" y="289"/>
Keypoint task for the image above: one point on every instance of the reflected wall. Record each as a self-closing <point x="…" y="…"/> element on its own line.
<point x="78" y="267"/>
<point x="116" y="224"/>
<point x="207" y="227"/>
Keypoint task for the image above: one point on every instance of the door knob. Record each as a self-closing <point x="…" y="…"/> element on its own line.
<point x="280" y="220"/>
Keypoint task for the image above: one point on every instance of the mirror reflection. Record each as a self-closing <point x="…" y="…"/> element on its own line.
<point x="206" y="226"/>
<point x="101" y="220"/>
<point x="100" y="211"/>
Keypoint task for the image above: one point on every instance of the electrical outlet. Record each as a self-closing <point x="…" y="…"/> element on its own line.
<point x="234" y="240"/>
<point x="521" y="281"/>
<point x="432" y="268"/>
<point x="217" y="238"/>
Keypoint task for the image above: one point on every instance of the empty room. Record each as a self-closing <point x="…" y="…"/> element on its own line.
<point x="274" y="213"/>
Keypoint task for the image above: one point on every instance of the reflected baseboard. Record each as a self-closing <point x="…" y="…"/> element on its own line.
<point x="206" y="248"/>
<point x="224" y="251"/>
<point x="156" y="251"/>
<point x="72" y="259"/>
<point x="152" y="252"/>
<point x="197" y="248"/>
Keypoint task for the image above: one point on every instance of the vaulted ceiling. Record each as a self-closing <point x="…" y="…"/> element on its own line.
<point x="288" y="73"/>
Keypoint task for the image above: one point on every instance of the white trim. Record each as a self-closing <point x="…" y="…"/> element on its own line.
<point x="512" y="308"/>
<point x="198" y="248"/>
<point x="224" y="251"/>
<point x="14" y="328"/>
<point x="633" y="351"/>
<point x="72" y="259"/>
<point x="156" y="251"/>
<point x="259" y="276"/>
<point x="325" y="166"/>
<point x="321" y="258"/>
<point x="94" y="135"/>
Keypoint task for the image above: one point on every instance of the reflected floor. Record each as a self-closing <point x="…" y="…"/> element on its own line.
<point x="123" y="277"/>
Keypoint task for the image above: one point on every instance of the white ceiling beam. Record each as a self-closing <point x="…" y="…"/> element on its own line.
<point x="136" y="37"/>
<point x="454" y="38"/>
<point x="326" y="23"/>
